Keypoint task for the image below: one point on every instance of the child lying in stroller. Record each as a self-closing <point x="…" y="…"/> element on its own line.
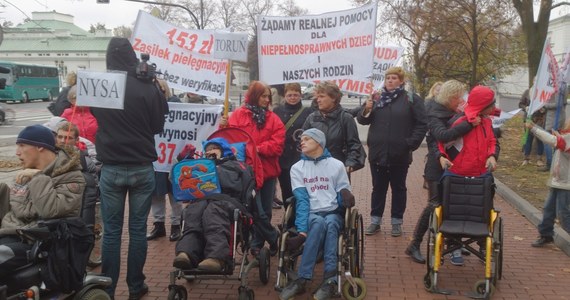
<point x="205" y="241"/>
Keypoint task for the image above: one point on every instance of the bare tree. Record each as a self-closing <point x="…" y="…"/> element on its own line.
<point x="290" y="8"/>
<point x="123" y="31"/>
<point x="473" y="35"/>
<point x="535" y="31"/>
<point x="170" y="14"/>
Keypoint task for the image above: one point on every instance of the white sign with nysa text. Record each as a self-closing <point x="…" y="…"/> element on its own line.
<point x="101" y="89"/>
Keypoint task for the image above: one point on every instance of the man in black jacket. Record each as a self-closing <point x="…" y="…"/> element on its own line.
<point x="125" y="146"/>
<point x="397" y="127"/>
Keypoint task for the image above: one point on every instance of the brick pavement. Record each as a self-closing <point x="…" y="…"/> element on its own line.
<point x="529" y="273"/>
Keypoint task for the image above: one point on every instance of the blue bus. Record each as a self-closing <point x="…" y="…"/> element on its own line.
<point x="25" y="82"/>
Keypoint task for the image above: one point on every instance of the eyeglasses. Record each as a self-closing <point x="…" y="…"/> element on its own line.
<point x="292" y="96"/>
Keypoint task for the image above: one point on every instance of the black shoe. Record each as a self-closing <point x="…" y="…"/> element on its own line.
<point x="174" y="233"/>
<point x="157" y="231"/>
<point x="542" y="241"/>
<point x="140" y="294"/>
<point x="293" y="289"/>
<point x="414" y="253"/>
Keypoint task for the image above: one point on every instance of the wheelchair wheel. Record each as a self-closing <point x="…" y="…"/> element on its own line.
<point x="356" y="244"/>
<point x="479" y="287"/>
<point x="497" y="272"/>
<point x="246" y="293"/>
<point x="264" y="265"/>
<point x="349" y="293"/>
<point x="428" y="281"/>
<point x="177" y="293"/>
<point x="95" y="294"/>
<point x="95" y="256"/>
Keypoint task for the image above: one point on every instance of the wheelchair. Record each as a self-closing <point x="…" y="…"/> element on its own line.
<point x="350" y="253"/>
<point x="241" y="229"/>
<point x="28" y="281"/>
<point x="466" y="216"/>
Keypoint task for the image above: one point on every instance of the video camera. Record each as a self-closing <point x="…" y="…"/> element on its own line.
<point x="146" y="71"/>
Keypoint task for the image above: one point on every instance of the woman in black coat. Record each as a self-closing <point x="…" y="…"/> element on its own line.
<point x="293" y="114"/>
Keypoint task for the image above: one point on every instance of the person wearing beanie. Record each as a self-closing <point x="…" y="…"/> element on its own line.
<point x="322" y="192"/>
<point x="50" y="186"/>
<point x="397" y="126"/>
<point x="207" y="227"/>
<point x="268" y="132"/>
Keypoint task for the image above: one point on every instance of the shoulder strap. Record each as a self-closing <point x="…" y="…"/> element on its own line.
<point x="294" y="118"/>
<point x="410" y="97"/>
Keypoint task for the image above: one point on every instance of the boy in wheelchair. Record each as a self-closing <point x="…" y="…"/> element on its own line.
<point x="50" y="186"/>
<point x="322" y="191"/>
<point x="205" y="241"/>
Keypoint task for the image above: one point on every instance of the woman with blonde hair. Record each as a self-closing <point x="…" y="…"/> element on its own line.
<point x="434" y="90"/>
<point x="445" y="105"/>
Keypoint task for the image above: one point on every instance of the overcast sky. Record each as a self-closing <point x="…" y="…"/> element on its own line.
<point x="118" y="12"/>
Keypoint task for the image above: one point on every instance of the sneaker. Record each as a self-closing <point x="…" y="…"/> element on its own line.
<point x="182" y="261"/>
<point x="372" y="229"/>
<point x="396" y="230"/>
<point x="525" y="162"/>
<point x="539" y="163"/>
<point x="140" y="294"/>
<point x="294" y="288"/>
<point x="543" y="241"/>
<point x="326" y="290"/>
<point x="456" y="258"/>
<point x="211" y="264"/>
<point x="544" y="168"/>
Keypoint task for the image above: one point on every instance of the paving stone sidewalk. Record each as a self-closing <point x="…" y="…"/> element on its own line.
<point x="529" y="273"/>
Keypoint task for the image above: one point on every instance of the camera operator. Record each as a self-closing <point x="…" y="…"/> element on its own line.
<point x="125" y="146"/>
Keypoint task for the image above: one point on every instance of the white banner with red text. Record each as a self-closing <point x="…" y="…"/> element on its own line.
<point x="546" y="83"/>
<point x="186" y="57"/>
<point x="336" y="45"/>
<point x="185" y="123"/>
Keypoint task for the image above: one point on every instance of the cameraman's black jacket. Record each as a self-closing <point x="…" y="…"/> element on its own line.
<point x="126" y="136"/>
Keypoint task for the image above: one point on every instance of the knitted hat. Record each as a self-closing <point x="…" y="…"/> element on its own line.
<point x="316" y="135"/>
<point x="479" y="98"/>
<point x="37" y="135"/>
<point x="54" y="123"/>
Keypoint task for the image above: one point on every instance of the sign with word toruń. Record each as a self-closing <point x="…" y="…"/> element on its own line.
<point x="101" y="89"/>
<point x="317" y="47"/>
<point x="185" y="123"/>
<point x="186" y="57"/>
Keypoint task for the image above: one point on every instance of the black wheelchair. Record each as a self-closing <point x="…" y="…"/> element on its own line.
<point x="466" y="216"/>
<point x="35" y="279"/>
<point x="350" y="253"/>
<point x="241" y="232"/>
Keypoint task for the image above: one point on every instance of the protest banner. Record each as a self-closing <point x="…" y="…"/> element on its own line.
<point x="186" y="58"/>
<point x="185" y="124"/>
<point x="546" y="83"/>
<point x="498" y="121"/>
<point x="336" y="45"/>
<point x="385" y="57"/>
<point x="101" y="89"/>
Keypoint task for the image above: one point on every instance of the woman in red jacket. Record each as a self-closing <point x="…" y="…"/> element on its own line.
<point x="82" y="117"/>
<point x="268" y="132"/>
